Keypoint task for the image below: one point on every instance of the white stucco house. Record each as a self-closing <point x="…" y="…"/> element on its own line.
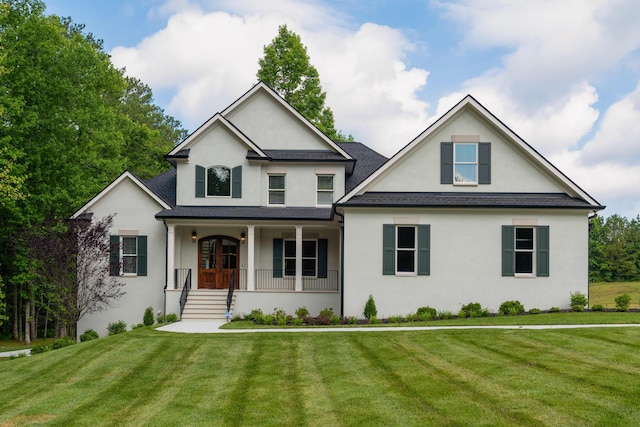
<point x="260" y="199"/>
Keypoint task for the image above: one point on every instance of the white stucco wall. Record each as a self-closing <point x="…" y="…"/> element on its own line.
<point x="510" y="170"/>
<point x="133" y="210"/>
<point x="465" y="261"/>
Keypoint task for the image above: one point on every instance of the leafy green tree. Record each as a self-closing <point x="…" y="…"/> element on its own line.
<point x="285" y="67"/>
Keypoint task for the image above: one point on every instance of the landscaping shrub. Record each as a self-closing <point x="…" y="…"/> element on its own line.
<point x="335" y="320"/>
<point x="370" y="310"/>
<point x="256" y="316"/>
<point x="117" y="327"/>
<point x="147" y="319"/>
<point x="511" y="308"/>
<point x="42" y="348"/>
<point x="297" y="321"/>
<point x="445" y="315"/>
<point x="426" y="313"/>
<point x="136" y="326"/>
<point x="171" y="318"/>
<point x="89" y="335"/>
<point x="351" y="320"/>
<point x="63" y="342"/>
<point x="597" y="307"/>
<point x="323" y="320"/>
<point x="396" y="319"/>
<point x="554" y="309"/>
<point x="578" y="301"/>
<point x="534" y="311"/>
<point x="268" y="319"/>
<point x="326" y="312"/>
<point x="473" y="309"/>
<point x="280" y="316"/>
<point x="302" y="312"/>
<point x="622" y="302"/>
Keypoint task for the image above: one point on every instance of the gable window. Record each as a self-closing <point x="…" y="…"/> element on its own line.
<point x="525" y="251"/>
<point x="465" y="163"/>
<point x="324" y="190"/>
<point x="406" y="249"/>
<point x="128" y="256"/>
<point x="276" y="189"/>
<point x="218" y="181"/>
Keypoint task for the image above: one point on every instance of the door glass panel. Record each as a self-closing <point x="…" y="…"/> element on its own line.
<point x="208" y="249"/>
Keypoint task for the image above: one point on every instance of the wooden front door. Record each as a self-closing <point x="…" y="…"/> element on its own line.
<point x="218" y="260"/>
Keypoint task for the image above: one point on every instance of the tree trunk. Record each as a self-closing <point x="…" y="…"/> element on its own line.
<point x="16" y="316"/>
<point x="34" y="320"/>
<point x="27" y="326"/>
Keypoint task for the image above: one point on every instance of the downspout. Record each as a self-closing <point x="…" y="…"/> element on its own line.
<point x="341" y="222"/>
<point x="590" y="224"/>
<point x="166" y="258"/>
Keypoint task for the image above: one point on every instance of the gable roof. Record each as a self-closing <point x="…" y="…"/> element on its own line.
<point x="469" y="102"/>
<point x="126" y="175"/>
<point x="367" y="161"/>
<point x="264" y="88"/>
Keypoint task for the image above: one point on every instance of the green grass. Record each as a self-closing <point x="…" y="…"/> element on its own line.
<point x="605" y="293"/>
<point x="10" y="345"/>
<point x="563" y="377"/>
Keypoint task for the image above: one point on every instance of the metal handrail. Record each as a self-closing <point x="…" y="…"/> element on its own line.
<point x="185" y="291"/>
<point x="230" y="294"/>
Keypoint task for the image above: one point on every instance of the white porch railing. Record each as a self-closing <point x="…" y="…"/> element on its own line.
<point x="265" y="280"/>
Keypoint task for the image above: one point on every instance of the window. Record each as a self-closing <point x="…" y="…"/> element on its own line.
<point x="325" y="190"/>
<point x="309" y="257"/>
<point x="406" y="249"/>
<point x="218" y="181"/>
<point x="276" y="189"/>
<point x="465" y="163"/>
<point x="525" y="251"/>
<point x="128" y="256"/>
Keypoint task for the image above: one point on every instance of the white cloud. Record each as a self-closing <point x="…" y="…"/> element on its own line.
<point x="209" y="58"/>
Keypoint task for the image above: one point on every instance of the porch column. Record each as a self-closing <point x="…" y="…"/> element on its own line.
<point x="298" y="285"/>
<point x="171" y="252"/>
<point x="251" y="274"/>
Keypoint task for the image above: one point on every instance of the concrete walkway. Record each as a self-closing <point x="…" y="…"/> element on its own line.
<point x="16" y="353"/>
<point x="210" y="327"/>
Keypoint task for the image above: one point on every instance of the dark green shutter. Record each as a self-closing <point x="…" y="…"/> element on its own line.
<point x="200" y="180"/>
<point x="277" y="257"/>
<point x="142" y="255"/>
<point x="114" y="255"/>
<point x="388" y="249"/>
<point x="424" y="239"/>
<point x="322" y="258"/>
<point x="446" y="163"/>
<point x="484" y="163"/>
<point x="542" y="247"/>
<point x="236" y="182"/>
<point x="508" y="254"/>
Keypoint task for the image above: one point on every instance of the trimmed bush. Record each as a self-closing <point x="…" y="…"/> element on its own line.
<point x="42" y="348"/>
<point x="335" y="320"/>
<point x="512" y="308"/>
<point x="426" y="313"/>
<point x="396" y="319"/>
<point x="137" y="326"/>
<point x="622" y="302"/>
<point x="370" y="310"/>
<point x="171" y="318"/>
<point x="297" y="321"/>
<point x="554" y="309"/>
<point x="473" y="309"/>
<point x="534" y="311"/>
<point x="597" y="307"/>
<point x="445" y="315"/>
<point x="326" y="312"/>
<point x="302" y="312"/>
<point x="118" y="327"/>
<point x="147" y="319"/>
<point x="89" y="335"/>
<point x="578" y="301"/>
<point x="63" y="342"/>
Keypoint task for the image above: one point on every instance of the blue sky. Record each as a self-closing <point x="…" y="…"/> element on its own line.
<point x="563" y="74"/>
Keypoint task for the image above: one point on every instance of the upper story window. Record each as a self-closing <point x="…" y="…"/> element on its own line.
<point x="276" y="189"/>
<point x="465" y="163"/>
<point x="324" y="190"/>
<point x="219" y="181"/>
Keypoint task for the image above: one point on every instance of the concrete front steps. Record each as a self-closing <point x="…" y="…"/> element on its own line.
<point x="206" y="304"/>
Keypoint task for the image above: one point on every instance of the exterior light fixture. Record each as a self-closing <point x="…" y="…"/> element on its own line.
<point x="243" y="237"/>
<point x="194" y="236"/>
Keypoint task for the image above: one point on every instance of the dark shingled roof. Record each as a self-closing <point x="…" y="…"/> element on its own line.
<point x="299" y="156"/>
<point x="367" y="161"/>
<point x="247" y="212"/>
<point x="469" y="200"/>
<point x="164" y="186"/>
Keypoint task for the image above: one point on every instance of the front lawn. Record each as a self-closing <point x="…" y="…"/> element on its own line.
<point x="563" y="377"/>
<point x="605" y="293"/>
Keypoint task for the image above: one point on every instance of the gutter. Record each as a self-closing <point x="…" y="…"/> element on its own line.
<point x="341" y="222"/>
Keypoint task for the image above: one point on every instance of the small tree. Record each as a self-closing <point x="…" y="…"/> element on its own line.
<point x="147" y="319"/>
<point x="370" y="310"/>
<point x="622" y="302"/>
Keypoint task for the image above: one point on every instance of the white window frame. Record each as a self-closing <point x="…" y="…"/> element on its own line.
<point x="123" y="256"/>
<point x="206" y="182"/>
<point x="532" y="251"/>
<point x="324" y="191"/>
<point x="277" y="190"/>
<point x="414" y="249"/>
<point x="461" y="163"/>
<point x="285" y="258"/>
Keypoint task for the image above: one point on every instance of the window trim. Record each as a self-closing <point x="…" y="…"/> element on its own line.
<point x="123" y="255"/>
<point x="277" y="190"/>
<point x="474" y="163"/>
<point x="422" y="261"/>
<point x="285" y="258"/>
<point x="398" y="249"/>
<point x="533" y="251"/>
<point x="319" y="190"/>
